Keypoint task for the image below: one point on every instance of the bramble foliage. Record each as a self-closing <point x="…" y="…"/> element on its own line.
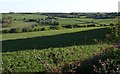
<point x="110" y="64"/>
<point x="116" y="28"/>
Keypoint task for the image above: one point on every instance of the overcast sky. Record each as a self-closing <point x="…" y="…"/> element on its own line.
<point x="59" y="5"/>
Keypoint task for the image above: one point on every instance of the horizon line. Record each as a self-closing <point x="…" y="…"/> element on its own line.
<point x="58" y="12"/>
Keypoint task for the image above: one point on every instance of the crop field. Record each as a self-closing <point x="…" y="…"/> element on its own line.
<point x="56" y="50"/>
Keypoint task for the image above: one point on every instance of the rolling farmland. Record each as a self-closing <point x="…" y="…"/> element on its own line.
<point x="41" y="43"/>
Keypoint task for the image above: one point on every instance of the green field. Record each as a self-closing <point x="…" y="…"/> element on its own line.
<point x="43" y="33"/>
<point x="45" y="51"/>
<point x="84" y="21"/>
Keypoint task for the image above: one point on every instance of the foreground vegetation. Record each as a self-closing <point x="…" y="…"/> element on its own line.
<point x="35" y="60"/>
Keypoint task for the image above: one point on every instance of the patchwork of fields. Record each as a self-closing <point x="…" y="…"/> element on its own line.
<point x="18" y="23"/>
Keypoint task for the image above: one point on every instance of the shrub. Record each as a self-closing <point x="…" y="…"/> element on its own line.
<point x="24" y="19"/>
<point x="111" y="24"/>
<point x="56" y="23"/>
<point x="15" y="30"/>
<point x="84" y="25"/>
<point x="32" y="20"/>
<point x="76" y="26"/>
<point x="92" y="25"/>
<point x="34" y="25"/>
<point x="103" y="25"/>
<point x="44" y="29"/>
<point x="107" y="67"/>
<point x="36" y="29"/>
<point x="68" y="26"/>
<point x="12" y="30"/>
<point x="5" y="31"/>
<point x="18" y="30"/>
<point x="52" y="27"/>
<point x="58" y="27"/>
<point x="27" y="29"/>
<point x="6" y="25"/>
<point x="32" y="30"/>
<point x="109" y="61"/>
<point x="117" y="28"/>
<point x="7" y="20"/>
